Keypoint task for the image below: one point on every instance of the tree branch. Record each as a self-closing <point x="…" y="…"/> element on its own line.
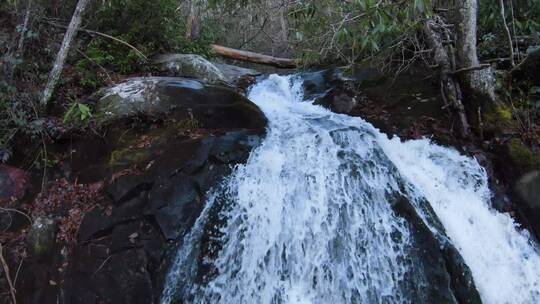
<point x="472" y="68"/>
<point x="6" y="272"/>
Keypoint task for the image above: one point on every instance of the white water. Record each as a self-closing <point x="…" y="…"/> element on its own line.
<point x="309" y="217"/>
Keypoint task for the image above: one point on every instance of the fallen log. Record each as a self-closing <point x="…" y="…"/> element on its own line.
<point x="254" y="57"/>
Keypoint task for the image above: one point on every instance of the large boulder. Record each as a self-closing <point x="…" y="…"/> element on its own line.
<point x="157" y="177"/>
<point x="236" y="75"/>
<point x="338" y="89"/>
<point x="212" y="106"/>
<point x="528" y="193"/>
<point x="190" y="66"/>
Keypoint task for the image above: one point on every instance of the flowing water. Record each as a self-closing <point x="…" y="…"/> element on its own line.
<point x="310" y="219"/>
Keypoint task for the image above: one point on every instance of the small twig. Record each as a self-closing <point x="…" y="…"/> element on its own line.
<point x="514" y="30"/>
<point x="256" y="34"/>
<point x="17" y="211"/>
<point x="480" y="124"/>
<point x="6" y="272"/>
<point x="101" y="266"/>
<point x="496" y="60"/>
<point x="24" y="29"/>
<point x="509" y="36"/>
<point x="17" y="273"/>
<point x="106" y="36"/>
<point x="472" y="68"/>
<point x="94" y="62"/>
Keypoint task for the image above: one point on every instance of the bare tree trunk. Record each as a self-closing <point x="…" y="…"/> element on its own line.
<point x="466" y="34"/>
<point x="479" y="83"/>
<point x="191" y="23"/>
<point x="20" y="47"/>
<point x="450" y="89"/>
<point x="58" y="66"/>
<point x="508" y="35"/>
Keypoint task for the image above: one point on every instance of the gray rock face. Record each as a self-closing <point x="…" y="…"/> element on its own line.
<point x="234" y="73"/>
<point x="212" y="105"/>
<point x="189" y="65"/>
<point x="157" y="175"/>
<point x="528" y="188"/>
<point x="528" y="191"/>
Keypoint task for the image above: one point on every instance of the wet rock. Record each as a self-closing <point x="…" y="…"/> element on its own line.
<point x="435" y="261"/>
<point x="206" y="106"/>
<point x="157" y="182"/>
<point x="339" y="89"/>
<point x="528" y="188"/>
<point x="127" y="247"/>
<point x="116" y="268"/>
<point x="317" y="84"/>
<point x="235" y="74"/>
<point x="42" y="237"/>
<point x="190" y="66"/>
<point x="127" y="187"/>
<point x="339" y="101"/>
<point x="528" y="193"/>
<point x="175" y="204"/>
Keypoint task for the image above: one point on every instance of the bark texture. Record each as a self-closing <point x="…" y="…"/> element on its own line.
<point x="254" y="57"/>
<point x="193" y="28"/>
<point x="58" y="65"/>
<point x="478" y="84"/>
<point x="450" y="89"/>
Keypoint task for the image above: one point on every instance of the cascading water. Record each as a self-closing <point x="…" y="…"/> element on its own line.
<point x="311" y="218"/>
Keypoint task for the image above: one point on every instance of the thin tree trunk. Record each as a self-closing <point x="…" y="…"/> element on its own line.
<point x="20" y="48"/>
<point x="477" y="83"/>
<point x="466" y="34"/>
<point x="450" y="89"/>
<point x="193" y="30"/>
<point x="508" y="35"/>
<point x="58" y="66"/>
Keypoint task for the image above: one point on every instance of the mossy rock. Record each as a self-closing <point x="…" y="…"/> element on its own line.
<point x="124" y="157"/>
<point x="212" y="106"/>
<point x="499" y="120"/>
<point x="522" y="156"/>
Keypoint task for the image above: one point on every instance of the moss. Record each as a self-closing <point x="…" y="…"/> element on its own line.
<point x="499" y="119"/>
<point x="522" y="156"/>
<point x="189" y="124"/>
<point x="502" y="114"/>
<point x="124" y="157"/>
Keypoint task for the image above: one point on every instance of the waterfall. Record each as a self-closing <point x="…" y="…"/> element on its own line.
<point x="311" y="217"/>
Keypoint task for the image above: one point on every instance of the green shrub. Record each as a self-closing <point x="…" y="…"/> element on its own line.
<point x="150" y="26"/>
<point x="77" y="114"/>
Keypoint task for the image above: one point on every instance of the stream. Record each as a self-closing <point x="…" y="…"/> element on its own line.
<point x="329" y="210"/>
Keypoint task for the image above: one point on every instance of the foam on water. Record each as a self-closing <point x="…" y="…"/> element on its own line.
<point x="504" y="261"/>
<point x="308" y="218"/>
